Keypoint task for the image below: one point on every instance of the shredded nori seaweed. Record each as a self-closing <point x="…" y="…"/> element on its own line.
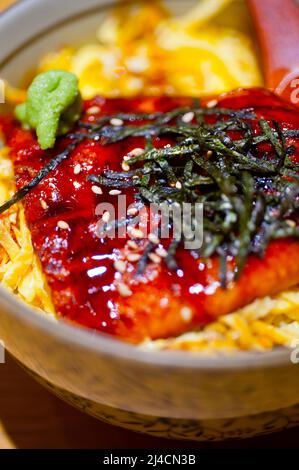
<point x="250" y="196"/>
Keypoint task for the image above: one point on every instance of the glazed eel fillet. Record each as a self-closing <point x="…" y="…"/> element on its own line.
<point x="237" y="154"/>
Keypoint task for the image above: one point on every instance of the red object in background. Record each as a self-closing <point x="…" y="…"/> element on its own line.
<point x="277" y="27"/>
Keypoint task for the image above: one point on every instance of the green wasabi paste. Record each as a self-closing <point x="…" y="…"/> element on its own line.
<point x="53" y="105"/>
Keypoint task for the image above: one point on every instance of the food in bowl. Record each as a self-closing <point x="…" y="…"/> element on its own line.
<point x="235" y="153"/>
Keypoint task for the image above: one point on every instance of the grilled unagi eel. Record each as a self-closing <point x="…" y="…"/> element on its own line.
<point x="238" y="155"/>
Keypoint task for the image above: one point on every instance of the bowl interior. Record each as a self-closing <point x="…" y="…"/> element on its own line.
<point x="35" y="27"/>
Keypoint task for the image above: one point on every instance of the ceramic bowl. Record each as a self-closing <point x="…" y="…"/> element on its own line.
<point x="170" y="394"/>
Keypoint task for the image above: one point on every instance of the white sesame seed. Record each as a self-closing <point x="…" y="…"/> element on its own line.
<point x="93" y="110"/>
<point x="136" y="233"/>
<point x="133" y="257"/>
<point x="161" y="252"/>
<point x="188" y="117"/>
<point x="153" y="239"/>
<point x="125" y="166"/>
<point x="124" y="290"/>
<point x="164" y="302"/>
<point x="114" y="192"/>
<point x="126" y="158"/>
<point x="96" y="190"/>
<point x="63" y="225"/>
<point x="106" y="217"/>
<point x="291" y="223"/>
<point x="77" y="169"/>
<point x="178" y="185"/>
<point x="132" y="244"/>
<point x="212" y="103"/>
<point x="154" y="258"/>
<point x="116" y="122"/>
<point x="137" y="152"/>
<point x="186" y="314"/>
<point x="43" y="204"/>
<point x="120" y="266"/>
<point x="132" y="211"/>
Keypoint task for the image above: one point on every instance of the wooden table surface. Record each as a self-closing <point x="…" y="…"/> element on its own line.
<point x="30" y="417"/>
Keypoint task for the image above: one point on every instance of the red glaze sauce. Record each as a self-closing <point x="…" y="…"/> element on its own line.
<point x="79" y="266"/>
